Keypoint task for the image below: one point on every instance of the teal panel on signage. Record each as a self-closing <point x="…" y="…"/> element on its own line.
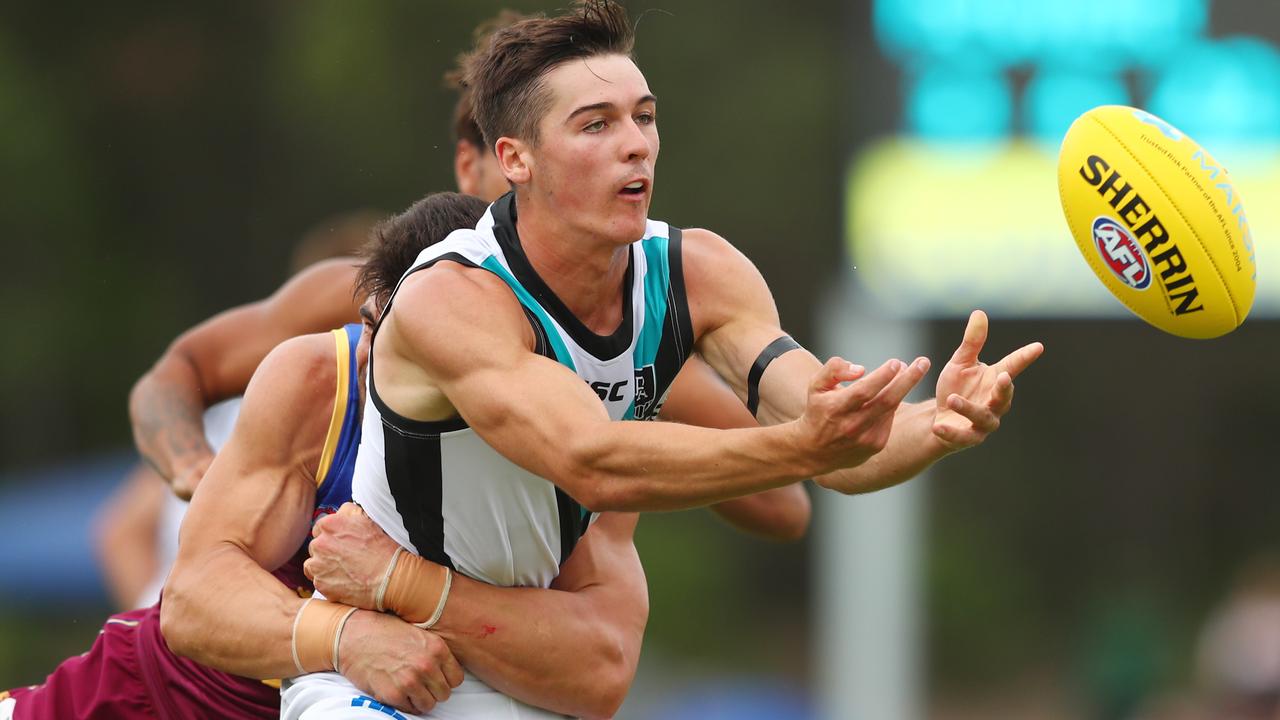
<point x="1109" y="34"/>
<point x="949" y="102"/>
<point x="1054" y="98"/>
<point x="1222" y="92"/>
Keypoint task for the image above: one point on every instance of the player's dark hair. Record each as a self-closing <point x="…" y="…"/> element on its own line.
<point x="464" y="121"/>
<point x="506" y="72"/>
<point x="396" y="241"/>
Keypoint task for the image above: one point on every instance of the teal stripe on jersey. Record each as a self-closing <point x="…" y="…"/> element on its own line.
<point x="657" y="280"/>
<point x="562" y="353"/>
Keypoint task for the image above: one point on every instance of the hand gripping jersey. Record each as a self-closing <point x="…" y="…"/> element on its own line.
<point x="129" y="673"/>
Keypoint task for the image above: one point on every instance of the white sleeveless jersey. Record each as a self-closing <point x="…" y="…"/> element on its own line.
<point x="440" y="491"/>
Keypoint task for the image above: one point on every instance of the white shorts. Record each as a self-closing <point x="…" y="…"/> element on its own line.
<point x="329" y="696"/>
<point x="6" y="708"/>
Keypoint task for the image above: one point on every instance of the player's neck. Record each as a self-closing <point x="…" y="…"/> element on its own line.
<point x="585" y="272"/>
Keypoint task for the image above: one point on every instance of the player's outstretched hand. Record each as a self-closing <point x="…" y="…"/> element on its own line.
<point x="396" y="663"/>
<point x="349" y="557"/>
<point x="973" y="396"/>
<point x="844" y="425"/>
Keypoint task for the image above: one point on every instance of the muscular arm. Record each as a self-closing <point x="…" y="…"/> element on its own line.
<point x="221" y="606"/>
<point x="699" y="397"/>
<point x="572" y="649"/>
<point x="215" y="360"/>
<point x="555" y="427"/>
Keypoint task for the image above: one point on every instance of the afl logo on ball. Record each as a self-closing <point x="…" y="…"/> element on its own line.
<point x="1121" y="253"/>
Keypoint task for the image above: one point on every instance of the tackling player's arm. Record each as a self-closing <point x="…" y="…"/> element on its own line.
<point x="572" y="649"/>
<point x="699" y="397"/>
<point x="222" y="607"/>
<point x="544" y="418"/>
<point x="215" y="359"/>
<point x="735" y="319"/>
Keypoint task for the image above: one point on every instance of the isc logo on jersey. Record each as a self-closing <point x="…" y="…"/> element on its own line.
<point x="1121" y="253"/>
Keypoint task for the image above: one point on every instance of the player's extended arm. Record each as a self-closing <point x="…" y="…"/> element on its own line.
<point x="221" y="606"/>
<point x="699" y="397"/>
<point x="736" y="321"/>
<point x="572" y="649"/>
<point x="544" y="418"/>
<point x="215" y="359"/>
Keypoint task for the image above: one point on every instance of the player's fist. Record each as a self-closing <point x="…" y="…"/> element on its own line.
<point x="350" y="555"/>
<point x="396" y="663"/>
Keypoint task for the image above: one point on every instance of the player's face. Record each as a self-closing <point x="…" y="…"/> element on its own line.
<point x="594" y="162"/>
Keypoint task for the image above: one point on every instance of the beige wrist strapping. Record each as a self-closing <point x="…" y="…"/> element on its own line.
<point x="317" y="631"/>
<point x="411" y="585"/>
<point x="386" y="580"/>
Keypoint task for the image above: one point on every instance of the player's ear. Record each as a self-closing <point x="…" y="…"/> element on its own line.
<point x="513" y="158"/>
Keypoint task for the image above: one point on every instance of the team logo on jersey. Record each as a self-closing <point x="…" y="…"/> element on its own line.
<point x="364" y="701"/>
<point x="647" y="405"/>
<point x="1121" y="253"/>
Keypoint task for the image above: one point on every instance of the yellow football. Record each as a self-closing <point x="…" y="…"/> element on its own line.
<point x="1158" y="220"/>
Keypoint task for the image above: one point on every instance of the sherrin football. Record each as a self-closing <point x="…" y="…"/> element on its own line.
<point x="1158" y="220"/>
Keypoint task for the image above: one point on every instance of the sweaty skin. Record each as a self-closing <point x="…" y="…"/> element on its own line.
<point x="224" y="609"/>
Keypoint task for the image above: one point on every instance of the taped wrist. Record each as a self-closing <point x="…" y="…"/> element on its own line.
<point x="417" y="589"/>
<point x="317" y="630"/>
